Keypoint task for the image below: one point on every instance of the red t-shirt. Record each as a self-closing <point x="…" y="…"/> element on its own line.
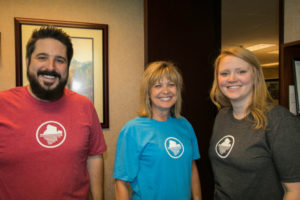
<point x="44" y="146"/>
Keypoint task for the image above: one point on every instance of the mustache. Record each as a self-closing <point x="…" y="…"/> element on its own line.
<point x="49" y="73"/>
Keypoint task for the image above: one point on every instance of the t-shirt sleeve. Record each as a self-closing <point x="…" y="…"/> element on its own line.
<point x="97" y="143"/>
<point x="196" y="154"/>
<point x="127" y="155"/>
<point x="286" y="148"/>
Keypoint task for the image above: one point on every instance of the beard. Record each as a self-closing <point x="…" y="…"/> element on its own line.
<point x="43" y="93"/>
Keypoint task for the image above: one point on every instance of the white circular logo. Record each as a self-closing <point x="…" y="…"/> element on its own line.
<point x="174" y="147"/>
<point x="224" y="146"/>
<point x="51" y="134"/>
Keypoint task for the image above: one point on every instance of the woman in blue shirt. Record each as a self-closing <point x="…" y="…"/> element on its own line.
<point x="156" y="151"/>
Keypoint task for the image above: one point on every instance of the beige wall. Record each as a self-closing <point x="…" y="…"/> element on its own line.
<point x="291" y="20"/>
<point x="126" y="53"/>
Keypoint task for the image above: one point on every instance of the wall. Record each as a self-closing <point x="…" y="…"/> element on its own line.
<point x="126" y="53"/>
<point x="291" y="20"/>
<point x="188" y="33"/>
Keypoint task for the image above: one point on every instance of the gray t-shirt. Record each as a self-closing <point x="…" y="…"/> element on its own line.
<point x="252" y="164"/>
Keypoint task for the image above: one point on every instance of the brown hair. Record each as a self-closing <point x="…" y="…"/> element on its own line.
<point x="49" y="32"/>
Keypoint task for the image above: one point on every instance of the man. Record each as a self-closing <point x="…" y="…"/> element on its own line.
<point x="51" y="141"/>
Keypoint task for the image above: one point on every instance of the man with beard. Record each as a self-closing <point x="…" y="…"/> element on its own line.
<point x="51" y="141"/>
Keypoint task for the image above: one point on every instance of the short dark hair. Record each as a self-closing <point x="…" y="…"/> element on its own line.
<point x="49" y="32"/>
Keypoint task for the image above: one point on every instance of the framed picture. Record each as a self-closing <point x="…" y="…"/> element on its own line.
<point x="296" y="70"/>
<point x="88" y="73"/>
<point x="0" y="46"/>
<point x="273" y="88"/>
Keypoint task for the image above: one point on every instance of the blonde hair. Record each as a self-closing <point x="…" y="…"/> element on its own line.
<point x="261" y="100"/>
<point x="154" y="72"/>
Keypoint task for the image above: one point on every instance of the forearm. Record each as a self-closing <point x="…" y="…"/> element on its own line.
<point x="291" y="196"/>
<point x="121" y="190"/>
<point x="196" y="186"/>
<point x="95" y="166"/>
<point x="292" y="191"/>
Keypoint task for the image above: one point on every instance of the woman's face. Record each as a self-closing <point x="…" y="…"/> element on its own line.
<point x="235" y="79"/>
<point x="163" y="95"/>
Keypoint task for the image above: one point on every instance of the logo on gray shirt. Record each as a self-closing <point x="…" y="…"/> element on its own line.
<point x="224" y="146"/>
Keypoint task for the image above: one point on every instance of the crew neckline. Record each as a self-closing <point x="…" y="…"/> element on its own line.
<point x="169" y="119"/>
<point x="235" y="119"/>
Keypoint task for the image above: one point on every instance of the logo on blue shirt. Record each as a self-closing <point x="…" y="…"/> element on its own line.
<point x="174" y="147"/>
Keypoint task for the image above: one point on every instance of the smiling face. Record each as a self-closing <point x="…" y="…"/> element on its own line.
<point x="48" y="69"/>
<point x="235" y="80"/>
<point x="163" y="95"/>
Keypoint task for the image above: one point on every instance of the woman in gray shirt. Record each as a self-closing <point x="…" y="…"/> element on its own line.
<point x="255" y="147"/>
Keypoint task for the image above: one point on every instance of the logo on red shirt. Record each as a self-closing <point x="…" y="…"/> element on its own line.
<point x="51" y="134"/>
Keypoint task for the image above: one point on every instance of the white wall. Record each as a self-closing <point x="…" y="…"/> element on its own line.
<point x="126" y="53"/>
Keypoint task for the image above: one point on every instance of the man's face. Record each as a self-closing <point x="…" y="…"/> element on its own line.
<point x="48" y="69"/>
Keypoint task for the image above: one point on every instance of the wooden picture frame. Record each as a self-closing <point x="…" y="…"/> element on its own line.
<point x="89" y="66"/>
<point x="296" y="71"/>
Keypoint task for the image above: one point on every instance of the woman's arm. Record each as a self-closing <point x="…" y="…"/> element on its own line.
<point x="121" y="190"/>
<point x="292" y="191"/>
<point x="196" y="187"/>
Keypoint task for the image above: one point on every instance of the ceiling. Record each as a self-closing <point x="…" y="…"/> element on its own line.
<point x="253" y="22"/>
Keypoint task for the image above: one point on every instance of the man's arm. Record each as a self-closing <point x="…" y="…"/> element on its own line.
<point x="196" y="187"/>
<point x="95" y="166"/>
<point x="292" y="191"/>
<point x="121" y="190"/>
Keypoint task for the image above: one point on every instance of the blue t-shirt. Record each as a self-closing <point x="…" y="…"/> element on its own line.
<point x="156" y="158"/>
